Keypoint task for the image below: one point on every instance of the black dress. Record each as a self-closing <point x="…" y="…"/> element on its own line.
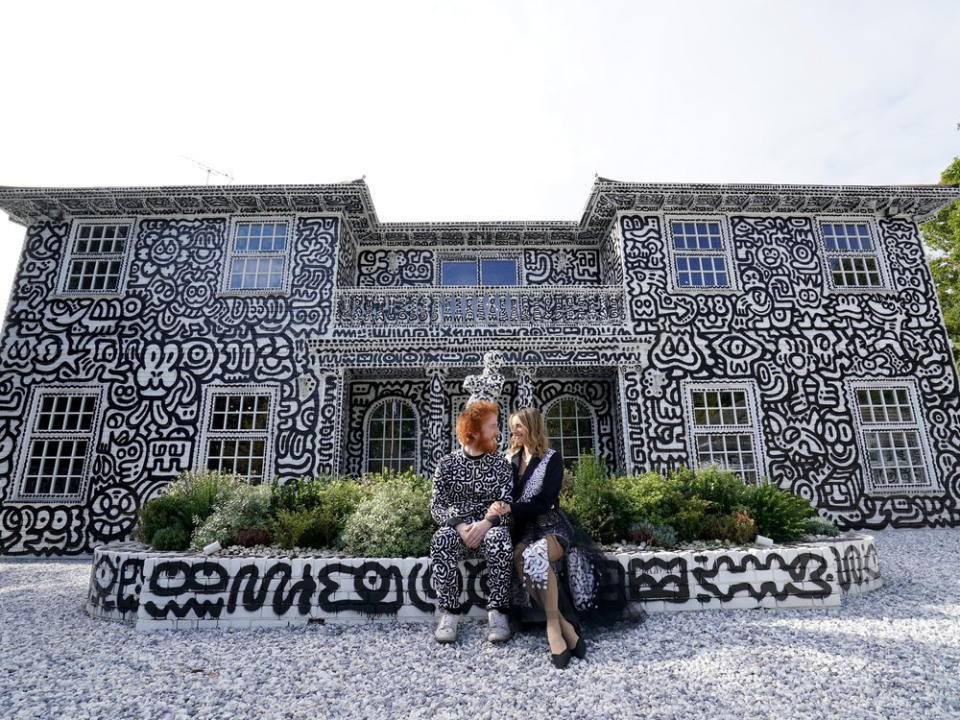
<point x="591" y="587"/>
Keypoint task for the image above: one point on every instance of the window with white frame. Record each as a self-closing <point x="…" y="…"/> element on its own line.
<point x="723" y="428"/>
<point x="851" y="254"/>
<point x="895" y="452"/>
<point x="572" y="428"/>
<point x="391" y="432"/>
<point x="96" y="257"/>
<point x="238" y="431"/>
<point x="257" y="256"/>
<point x="701" y="258"/>
<point x="59" y="443"/>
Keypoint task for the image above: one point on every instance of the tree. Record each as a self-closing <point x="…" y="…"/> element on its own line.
<point x="942" y="237"/>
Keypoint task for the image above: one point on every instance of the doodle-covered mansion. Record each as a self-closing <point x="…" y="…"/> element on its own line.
<point x="786" y="332"/>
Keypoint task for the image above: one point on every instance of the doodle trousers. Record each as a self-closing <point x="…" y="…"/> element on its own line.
<point x="447" y="549"/>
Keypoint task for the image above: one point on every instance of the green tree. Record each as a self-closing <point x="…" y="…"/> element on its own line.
<point x="942" y="236"/>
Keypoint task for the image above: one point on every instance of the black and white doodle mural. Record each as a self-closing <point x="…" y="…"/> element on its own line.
<point x="157" y="590"/>
<point x="788" y="332"/>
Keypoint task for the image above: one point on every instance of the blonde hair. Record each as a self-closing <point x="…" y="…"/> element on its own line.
<point x="532" y="420"/>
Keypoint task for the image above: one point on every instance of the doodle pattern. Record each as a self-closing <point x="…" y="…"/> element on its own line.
<point x="594" y="318"/>
<point x="178" y="590"/>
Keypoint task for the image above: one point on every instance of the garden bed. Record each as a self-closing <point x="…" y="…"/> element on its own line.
<point x="132" y="583"/>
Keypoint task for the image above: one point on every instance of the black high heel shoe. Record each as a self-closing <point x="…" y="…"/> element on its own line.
<point x="562" y="660"/>
<point x="579" y="651"/>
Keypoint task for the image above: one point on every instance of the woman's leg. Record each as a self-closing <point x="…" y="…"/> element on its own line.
<point x="560" y="633"/>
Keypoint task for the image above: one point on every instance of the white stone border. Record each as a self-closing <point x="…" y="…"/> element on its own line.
<point x="166" y="591"/>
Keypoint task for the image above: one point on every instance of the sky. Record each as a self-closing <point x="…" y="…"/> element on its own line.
<point x="457" y="111"/>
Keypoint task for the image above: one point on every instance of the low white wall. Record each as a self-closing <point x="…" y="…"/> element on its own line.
<point x="164" y="590"/>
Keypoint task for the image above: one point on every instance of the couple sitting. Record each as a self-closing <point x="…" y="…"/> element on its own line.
<point x="506" y="510"/>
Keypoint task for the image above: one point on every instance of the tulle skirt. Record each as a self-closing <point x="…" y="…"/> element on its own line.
<point x="591" y="587"/>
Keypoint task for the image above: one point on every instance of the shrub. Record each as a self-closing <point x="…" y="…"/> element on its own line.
<point x="247" y="507"/>
<point x="314" y="513"/>
<point x="189" y="500"/>
<point x="689" y="520"/>
<point x="737" y="527"/>
<point x="658" y="535"/>
<point x="820" y="526"/>
<point x="167" y="517"/>
<point x="723" y="488"/>
<point x="251" y="537"/>
<point x="649" y="497"/>
<point x="778" y="514"/>
<point x="172" y="537"/>
<point x="394" y="521"/>
<point x="596" y="503"/>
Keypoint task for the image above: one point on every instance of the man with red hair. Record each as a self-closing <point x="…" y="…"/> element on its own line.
<point x="465" y="484"/>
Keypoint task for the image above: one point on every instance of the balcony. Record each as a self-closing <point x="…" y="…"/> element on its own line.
<point x="475" y="307"/>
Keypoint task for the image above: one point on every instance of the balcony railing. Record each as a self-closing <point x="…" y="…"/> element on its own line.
<point x="479" y="307"/>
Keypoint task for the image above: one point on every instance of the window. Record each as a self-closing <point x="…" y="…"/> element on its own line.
<point x="391" y="436"/>
<point x="894" y="453"/>
<point x="96" y="257"/>
<point x="723" y="428"/>
<point x="237" y="431"/>
<point x="852" y="258"/>
<point x="479" y="271"/>
<point x="572" y="427"/>
<point x="700" y="256"/>
<point x="59" y="442"/>
<point x="257" y="256"/>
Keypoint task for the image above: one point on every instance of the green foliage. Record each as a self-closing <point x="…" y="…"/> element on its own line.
<point x="778" y="514"/>
<point x="689" y="520"/>
<point x="172" y="537"/>
<point x="394" y="521"/>
<point x="737" y="527"/>
<point x="657" y="535"/>
<point x="314" y="513"/>
<point x="820" y="526"/>
<point x="942" y="237"/>
<point x="248" y="506"/>
<point x="595" y="502"/>
<point x="649" y="497"/>
<point x="722" y="488"/>
<point x="189" y="501"/>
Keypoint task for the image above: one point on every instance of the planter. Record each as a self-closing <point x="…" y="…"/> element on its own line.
<point x="167" y="590"/>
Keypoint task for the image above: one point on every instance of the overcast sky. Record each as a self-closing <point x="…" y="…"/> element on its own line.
<point x="475" y="110"/>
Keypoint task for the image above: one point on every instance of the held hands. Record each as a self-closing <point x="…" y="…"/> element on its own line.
<point x="473" y="533"/>
<point x="498" y="508"/>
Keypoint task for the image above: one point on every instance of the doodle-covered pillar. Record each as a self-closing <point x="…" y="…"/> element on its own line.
<point x="525" y="375"/>
<point x="436" y="431"/>
<point x="629" y="385"/>
<point x="330" y="386"/>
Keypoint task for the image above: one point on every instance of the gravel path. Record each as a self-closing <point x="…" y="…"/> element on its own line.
<point x="894" y="653"/>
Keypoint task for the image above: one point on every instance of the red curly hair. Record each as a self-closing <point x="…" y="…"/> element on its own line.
<point x="472" y="417"/>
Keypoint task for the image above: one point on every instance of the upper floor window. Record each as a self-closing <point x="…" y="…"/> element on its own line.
<point x="258" y="255"/>
<point x="95" y="257"/>
<point x="723" y="428"/>
<point x="237" y="431"/>
<point x="391" y="437"/>
<point x="852" y="259"/>
<point x="479" y="271"/>
<point x="58" y="445"/>
<point x="895" y="453"/>
<point x="572" y="427"/>
<point x="700" y="256"/>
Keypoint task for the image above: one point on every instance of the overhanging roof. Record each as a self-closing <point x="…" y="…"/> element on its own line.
<point x="353" y="201"/>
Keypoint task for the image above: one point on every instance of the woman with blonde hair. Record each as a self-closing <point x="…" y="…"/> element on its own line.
<point x="561" y="570"/>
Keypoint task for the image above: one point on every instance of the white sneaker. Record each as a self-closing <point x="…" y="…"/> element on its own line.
<point x="446" y="631"/>
<point x="499" y="626"/>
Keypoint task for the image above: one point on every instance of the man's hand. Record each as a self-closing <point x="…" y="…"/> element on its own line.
<point x="498" y="508"/>
<point x="462" y="529"/>
<point x="475" y="532"/>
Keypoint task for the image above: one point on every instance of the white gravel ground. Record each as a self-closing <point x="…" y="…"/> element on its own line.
<point x="894" y="653"/>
